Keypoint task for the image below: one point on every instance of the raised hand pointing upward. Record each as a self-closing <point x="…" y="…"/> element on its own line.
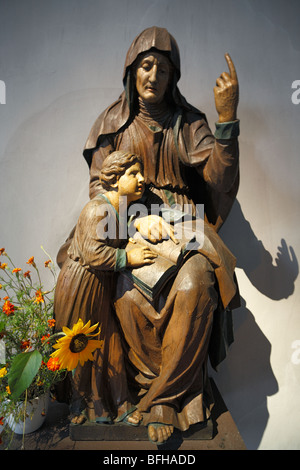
<point x="227" y="93"/>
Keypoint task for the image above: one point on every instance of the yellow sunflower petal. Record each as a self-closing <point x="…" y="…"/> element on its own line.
<point x="77" y="327"/>
<point x="85" y="356"/>
<point x="62" y="344"/>
<point x="90" y="329"/>
<point x="87" y="353"/>
<point x="65" y="341"/>
<point x="85" y="327"/>
<point x="82" y="359"/>
<point x="67" y="331"/>
<point x="72" y="363"/>
<point x="94" y="344"/>
<point x="96" y="334"/>
<point x="57" y="345"/>
<point x="67" y="361"/>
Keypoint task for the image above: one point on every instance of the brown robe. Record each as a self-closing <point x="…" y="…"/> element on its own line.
<point x="85" y="288"/>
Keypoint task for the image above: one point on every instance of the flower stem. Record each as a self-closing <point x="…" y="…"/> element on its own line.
<point x="24" y="419"/>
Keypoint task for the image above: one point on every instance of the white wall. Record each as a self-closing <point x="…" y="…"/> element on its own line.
<point x="62" y="62"/>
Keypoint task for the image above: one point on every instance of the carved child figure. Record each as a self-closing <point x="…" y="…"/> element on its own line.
<point x="86" y="284"/>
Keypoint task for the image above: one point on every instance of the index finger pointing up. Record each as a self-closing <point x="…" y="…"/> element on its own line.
<point x="231" y="67"/>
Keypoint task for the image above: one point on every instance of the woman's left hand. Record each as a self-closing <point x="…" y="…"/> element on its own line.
<point x="227" y="93"/>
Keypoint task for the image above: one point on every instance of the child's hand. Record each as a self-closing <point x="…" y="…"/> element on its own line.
<point x="155" y="228"/>
<point x="140" y="256"/>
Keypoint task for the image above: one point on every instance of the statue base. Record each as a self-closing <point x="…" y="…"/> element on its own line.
<point x="219" y="432"/>
<point x="124" y="432"/>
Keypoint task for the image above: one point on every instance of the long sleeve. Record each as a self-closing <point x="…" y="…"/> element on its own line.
<point x="216" y="158"/>
<point x="91" y="247"/>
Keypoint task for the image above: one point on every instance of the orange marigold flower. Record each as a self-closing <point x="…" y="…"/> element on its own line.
<point x="16" y="270"/>
<point x="51" y="323"/>
<point x="27" y="274"/>
<point x="25" y="345"/>
<point x="53" y="364"/>
<point x="47" y="262"/>
<point x="8" y="389"/>
<point x="8" y="308"/>
<point x="0" y="286"/>
<point x="1" y="421"/>
<point x="45" y="337"/>
<point x="31" y="261"/>
<point x="3" y="265"/>
<point x="2" y="250"/>
<point x="39" y="297"/>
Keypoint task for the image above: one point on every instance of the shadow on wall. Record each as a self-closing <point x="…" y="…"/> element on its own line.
<point x="276" y="281"/>
<point x="248" y="369"/>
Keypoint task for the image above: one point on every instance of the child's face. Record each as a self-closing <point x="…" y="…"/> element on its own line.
<point x="132" y="183"/>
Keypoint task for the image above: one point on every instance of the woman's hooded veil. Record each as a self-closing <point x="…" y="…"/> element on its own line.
<point x="118" y="114"/>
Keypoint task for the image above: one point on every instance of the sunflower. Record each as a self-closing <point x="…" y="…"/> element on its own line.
<point x="76" y="346"/>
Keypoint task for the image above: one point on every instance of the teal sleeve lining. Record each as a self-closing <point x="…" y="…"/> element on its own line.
<point x="121" y="259"/>
<point x="227" y="130"/>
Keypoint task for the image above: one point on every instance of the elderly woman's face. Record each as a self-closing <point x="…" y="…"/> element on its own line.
<point x="152" y="77"/>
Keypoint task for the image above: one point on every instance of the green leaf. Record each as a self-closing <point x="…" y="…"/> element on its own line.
<point x="2" y="326"/>
<point x="22" y="372"/>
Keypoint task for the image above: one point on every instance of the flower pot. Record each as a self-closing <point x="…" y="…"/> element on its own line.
<point x="36" y="411"/>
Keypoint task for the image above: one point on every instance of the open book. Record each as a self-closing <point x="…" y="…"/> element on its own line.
<point x="151" y="278"/>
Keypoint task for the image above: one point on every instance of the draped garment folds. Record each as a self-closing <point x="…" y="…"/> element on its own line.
<point x="166" y="342"/>
<point x="85" y="288"/>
